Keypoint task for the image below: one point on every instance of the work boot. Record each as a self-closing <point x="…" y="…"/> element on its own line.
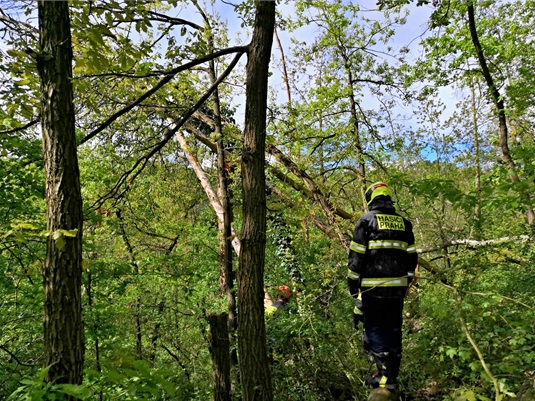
<point x="387" y="369"/>
<point x="376" y="379"/>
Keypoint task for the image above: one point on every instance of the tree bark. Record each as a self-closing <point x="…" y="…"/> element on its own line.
<point x="227" y="275"/>
<point x="62" y="270"/>
<point x="208" y="189"/>
<point x="253" y="359"/>
<point x="220" y="353"/>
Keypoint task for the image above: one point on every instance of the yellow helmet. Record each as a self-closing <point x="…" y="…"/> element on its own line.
<point x="376" y="189"/>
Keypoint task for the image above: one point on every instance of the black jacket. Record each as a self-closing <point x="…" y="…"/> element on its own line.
<point x="382" y="255"/>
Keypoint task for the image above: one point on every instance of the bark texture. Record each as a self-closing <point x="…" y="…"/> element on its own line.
<point x="220" y="352"/>
<point x="253" y="359"/>
<point x="62" y="272"/>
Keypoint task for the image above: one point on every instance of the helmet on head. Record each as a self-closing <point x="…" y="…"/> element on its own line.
<point x="375" y="190"/>
<point x="284" y="291"/>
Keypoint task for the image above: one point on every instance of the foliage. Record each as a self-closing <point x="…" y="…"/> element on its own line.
<point x="37" y="389"/>
<point x="135" y="381"/>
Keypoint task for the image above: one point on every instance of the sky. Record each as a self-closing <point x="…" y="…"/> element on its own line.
<point x="408" y="35"/>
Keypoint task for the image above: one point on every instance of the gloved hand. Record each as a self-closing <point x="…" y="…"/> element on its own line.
<point x="357" y="318"/>
<point x="354" y="288"/>
<point x="358" y="314"/>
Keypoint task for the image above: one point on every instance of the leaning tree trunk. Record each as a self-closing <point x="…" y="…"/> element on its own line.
<point x="502" y="115"/>
<point x="62" y="272"/>
<point x="252" y="350"/>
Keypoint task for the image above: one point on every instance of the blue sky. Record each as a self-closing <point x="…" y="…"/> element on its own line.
<point x="406" y="36"/>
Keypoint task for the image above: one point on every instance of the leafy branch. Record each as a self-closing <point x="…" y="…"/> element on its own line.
<point x="464" y="328"/>
<point x="140" y="164"/>
<point x="240" y="50"/>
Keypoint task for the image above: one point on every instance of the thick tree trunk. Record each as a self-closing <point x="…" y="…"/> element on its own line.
<point x="62" y="272"/>
<point x="220" y="352"/>
<point x="253" y="359"/>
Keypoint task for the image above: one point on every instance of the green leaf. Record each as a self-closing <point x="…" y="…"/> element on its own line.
<point x="470" y="396"/>
<point x="78" y="391"/>
<point x="451" y="352"/>
<point x="60" y="242"/>
<point x="22" y="82"/>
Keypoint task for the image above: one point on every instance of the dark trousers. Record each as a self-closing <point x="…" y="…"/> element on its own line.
<point x="383" y="318"/>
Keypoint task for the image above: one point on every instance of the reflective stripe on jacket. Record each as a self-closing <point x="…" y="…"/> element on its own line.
<point x="382" y="255"/>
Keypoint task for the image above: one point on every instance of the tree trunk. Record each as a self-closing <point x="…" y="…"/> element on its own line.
<point x="477" y="155"/>
<point x="253" y="359"/>
<point x="226" y="232"/>
<point x="361" y="171"/>
<point x="207" y="186"/>
<point x="220" y="352"/>
<point x="500" y="110"/>
<point x="156" y="332"/>
<point x="62" y="270"/>
<point x="137" y="307"/>
<point x="224" y="227"/>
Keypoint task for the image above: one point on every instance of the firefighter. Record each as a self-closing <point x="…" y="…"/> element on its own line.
<point x="382" y="260"/>
<point x="283" y="295"/>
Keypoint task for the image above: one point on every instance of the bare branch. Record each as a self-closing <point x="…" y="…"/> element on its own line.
<point x="140" y="164"/>
<point x="475" y="243"/>
<point x="12" y="355"/>
<point x="18" y="129"/>
<point x="19" y="27"/>
<point x="169" y="76"/>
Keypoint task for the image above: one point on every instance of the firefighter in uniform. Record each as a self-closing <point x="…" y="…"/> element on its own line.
<point x="382" y="260"/>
